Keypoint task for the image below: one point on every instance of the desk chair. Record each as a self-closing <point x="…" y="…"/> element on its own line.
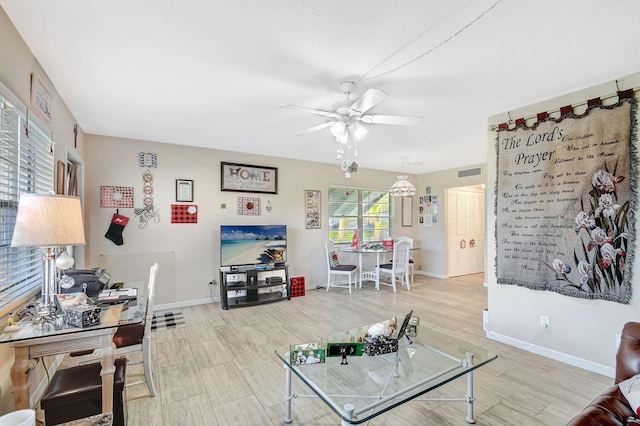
<point x="398" y="269"/>
<point x="411" y="263"/>
<point x="335" y="268"/>
<point x="133" y="338"/>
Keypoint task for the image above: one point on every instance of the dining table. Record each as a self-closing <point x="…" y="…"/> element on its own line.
<point x="380" y="251"/>
<point x="369" y="275"/>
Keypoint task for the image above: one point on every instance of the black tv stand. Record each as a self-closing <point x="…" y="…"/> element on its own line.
<point x="246" y="286"/>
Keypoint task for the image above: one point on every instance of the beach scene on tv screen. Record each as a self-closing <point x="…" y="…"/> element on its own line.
<point x="248" y="245"/>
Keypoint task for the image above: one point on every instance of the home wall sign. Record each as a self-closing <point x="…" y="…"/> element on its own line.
<point x="247" y="178"/>
<point x="564" y="202"/>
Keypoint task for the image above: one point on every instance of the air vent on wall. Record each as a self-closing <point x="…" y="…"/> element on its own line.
<point x="470" y="172"/>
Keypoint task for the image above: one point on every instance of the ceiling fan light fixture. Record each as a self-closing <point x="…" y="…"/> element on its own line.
<point x="338" y="129"/>
<point x="402" y="188"/>
<point x="359" y="131"/>
<point x="343" y="138"/>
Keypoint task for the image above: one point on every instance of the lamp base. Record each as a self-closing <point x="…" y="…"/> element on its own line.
<point x="44" y="315"/>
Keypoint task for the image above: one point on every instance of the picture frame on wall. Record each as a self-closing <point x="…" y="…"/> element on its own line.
<point x="40" y="97"/>
<point x="312" y="209"/>
<point x="248" y="178"/>
<point x="407" y="211"/>
<point x="184" y="190"/>
<point x="60" y="178"/>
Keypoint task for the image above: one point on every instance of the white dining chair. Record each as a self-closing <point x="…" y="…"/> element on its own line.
<point x="411" y="262"/>
<point x="335" y="268"/>
<point x="398" y="268"/>
<point x="132" y="338"/>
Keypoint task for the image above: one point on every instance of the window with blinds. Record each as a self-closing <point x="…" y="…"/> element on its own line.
<point x="367" y="210"/>
<point x="26" y="166"/>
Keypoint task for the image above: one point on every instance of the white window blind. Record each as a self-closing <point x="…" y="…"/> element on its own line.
<point x="26" y="166"/>
<point x="367" y="210"/>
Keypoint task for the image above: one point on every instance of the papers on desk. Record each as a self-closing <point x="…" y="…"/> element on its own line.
<point x="117" y="295"/>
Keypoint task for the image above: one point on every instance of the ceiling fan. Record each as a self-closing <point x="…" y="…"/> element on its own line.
<point x="347" y="117"/>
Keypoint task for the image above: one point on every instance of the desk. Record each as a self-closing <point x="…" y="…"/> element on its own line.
<point x="371" y="385"/>
<point x="33" y="341"/>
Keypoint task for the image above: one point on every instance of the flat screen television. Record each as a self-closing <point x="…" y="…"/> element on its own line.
<point x="252" y="244"/>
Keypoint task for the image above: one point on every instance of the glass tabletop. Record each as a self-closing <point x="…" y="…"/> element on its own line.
<point x="110" y="316"/>
<point x="371" y="385"/>
<point x="362" y="249"/>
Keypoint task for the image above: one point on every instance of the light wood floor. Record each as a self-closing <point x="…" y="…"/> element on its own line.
<point x="221" y="370"/>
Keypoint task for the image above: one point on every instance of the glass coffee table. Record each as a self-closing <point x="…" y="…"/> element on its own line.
<point x="371" y="385"/>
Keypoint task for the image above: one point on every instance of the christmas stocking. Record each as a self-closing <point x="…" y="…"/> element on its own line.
<point x="118" y="222"/>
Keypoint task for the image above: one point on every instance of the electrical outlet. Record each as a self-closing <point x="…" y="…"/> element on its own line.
<point x="544" y="321"/>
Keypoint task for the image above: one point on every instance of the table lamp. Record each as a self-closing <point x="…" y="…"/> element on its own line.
<point x="49" y="221"/>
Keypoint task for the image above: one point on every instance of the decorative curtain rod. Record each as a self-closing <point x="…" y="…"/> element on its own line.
<point x="622" y="94"/>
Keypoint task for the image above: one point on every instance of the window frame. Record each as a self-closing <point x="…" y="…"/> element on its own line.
<point x="363" y="206"/>
<point x="26" y="166"/>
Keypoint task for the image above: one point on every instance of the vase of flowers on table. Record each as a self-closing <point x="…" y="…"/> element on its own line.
<point x="380" y="339"/>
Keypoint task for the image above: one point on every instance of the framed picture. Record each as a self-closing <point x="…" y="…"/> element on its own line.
<point x="312" y="209"/>
<point x="40" y="97"/>
<point x="184" y="190"/>
<point x="407" y="211"/>
<point x="248" y="178"/>
<point x="60" y="179"/>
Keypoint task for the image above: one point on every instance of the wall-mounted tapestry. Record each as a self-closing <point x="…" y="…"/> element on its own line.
<point x="564" y="204"/>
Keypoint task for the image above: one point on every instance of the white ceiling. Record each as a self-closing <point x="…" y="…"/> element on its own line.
<point x="212" y="73"/>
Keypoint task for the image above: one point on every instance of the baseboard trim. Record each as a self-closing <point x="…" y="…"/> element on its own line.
<point x="182" y="304"/>
<point x="432" y="275"/>
<point x="550" y="353"/>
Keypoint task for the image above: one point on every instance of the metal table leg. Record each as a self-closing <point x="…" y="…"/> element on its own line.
<point x="287" y="394"/>
<point x="469" y="396"/>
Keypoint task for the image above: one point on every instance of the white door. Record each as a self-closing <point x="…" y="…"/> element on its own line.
<point x="465" y="230"/>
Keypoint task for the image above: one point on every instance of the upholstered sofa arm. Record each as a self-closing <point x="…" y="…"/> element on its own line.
<point x="628" y="356"/>
<point x="610" y="407"/>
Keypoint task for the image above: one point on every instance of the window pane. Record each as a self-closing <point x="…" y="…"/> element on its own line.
<point x="26" y="166"/>
<point x="367" y="210"/>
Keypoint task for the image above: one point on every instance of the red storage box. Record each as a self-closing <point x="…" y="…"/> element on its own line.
<point x="297" y="286"/>
<point x="387" y="242"/>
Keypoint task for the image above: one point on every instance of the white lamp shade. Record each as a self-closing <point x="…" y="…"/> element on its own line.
<point x="402" y="188"/>
<point x="48" y="220"/>
<point x="359" y="131"/>
<point x="338" y="129"/>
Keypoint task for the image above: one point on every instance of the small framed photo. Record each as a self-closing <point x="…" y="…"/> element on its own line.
<point x="184" y="190"/>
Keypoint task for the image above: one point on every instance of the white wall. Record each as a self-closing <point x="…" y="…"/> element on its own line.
<point x="16" y="66"/>
<point x="583" y="332"/>
<point x="114" y="161"/>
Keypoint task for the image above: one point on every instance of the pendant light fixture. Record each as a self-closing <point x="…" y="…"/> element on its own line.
<point x="402" y="187"/>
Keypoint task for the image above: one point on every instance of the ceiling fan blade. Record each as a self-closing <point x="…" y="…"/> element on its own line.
<point x="312" y="111"/>
<point x="315" y="128"/>
<point x="401" y="120"/>
<point x="368" y="100"/>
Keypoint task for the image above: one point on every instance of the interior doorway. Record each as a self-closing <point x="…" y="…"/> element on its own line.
<point x="465" y="230"/>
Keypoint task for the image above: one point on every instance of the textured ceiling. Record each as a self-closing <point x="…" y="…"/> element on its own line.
<point x="213" y="73"/>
